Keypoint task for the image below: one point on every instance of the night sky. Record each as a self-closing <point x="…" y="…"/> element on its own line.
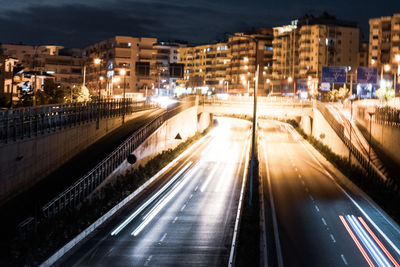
<point x="78" y="23"/>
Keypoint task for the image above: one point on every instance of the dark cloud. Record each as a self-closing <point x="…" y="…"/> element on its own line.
<point x="71" y="23"/>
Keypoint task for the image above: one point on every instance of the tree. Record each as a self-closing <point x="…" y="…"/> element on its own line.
<point x="80" y="94"/>
<point x="385" y="93"/>
<point x="52" y="93"/>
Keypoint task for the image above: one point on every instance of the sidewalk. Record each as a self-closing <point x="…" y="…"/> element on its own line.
<point x="30" y="202"/>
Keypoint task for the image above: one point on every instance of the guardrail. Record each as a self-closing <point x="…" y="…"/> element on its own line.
<point x="89" y="182"/>
<point x="17" y="124"/>
<point x="371" y="169"/>
<point x="213" y="100"/>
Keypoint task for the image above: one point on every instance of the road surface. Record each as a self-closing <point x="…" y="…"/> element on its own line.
<point x="186" y="218"/>
<point x="311" y="220"/>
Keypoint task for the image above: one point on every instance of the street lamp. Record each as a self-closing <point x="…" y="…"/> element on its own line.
<point x="123" y="73"/>
<point x="97" y="61"/>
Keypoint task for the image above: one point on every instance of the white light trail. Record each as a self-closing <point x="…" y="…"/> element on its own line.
<point x="162" y="203"/>
<point x="139" y="210"/>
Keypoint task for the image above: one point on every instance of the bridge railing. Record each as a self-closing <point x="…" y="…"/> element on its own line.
<point x="214" y="100"/>
<point x="17" y="124"/>
<point x="372" y="170"/>
<point x="89" y="182"/>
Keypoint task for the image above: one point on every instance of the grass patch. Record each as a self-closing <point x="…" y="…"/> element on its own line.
<point x="55" y="233"/>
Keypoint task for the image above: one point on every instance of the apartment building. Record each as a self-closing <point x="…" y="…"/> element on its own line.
<point x="64" y="64"/>
<point x="301" y="49"/>
<point x="7" y="86"/>
<point x="363" y="55"/>
<point x="247" y="50"/>
<point x="106" y="59"/>
<point x="165" y="57"/>
<point x="205" y="67"/>
<point x="384" y="42"/>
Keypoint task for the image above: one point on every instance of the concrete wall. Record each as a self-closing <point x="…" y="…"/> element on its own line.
<point x="324" y="133"/>
<point x="165" y="137"/>
<point x="387" y="136"/>
<point x="26" y="162"/>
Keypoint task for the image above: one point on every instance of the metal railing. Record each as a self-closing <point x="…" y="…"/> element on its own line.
<point x="89" y="182"/>
<point x="282" y="101"/>
<point x="371" y="169"/>
<point x="382" y="115"/>
<point x="17" y="124"/>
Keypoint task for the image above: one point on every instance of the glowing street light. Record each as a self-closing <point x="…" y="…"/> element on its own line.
<point x="290" y="79"/>
<point x="387" y="67"/>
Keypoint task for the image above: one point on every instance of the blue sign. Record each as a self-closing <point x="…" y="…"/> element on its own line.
<point x="367" y="75"/>
<point x="334" y="74"/>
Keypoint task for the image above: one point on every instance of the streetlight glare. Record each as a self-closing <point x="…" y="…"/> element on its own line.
<point x="290" y="79"/>
<point x="122" y="72"/>
<point x="101" y="78"/>
<point x="387" y="67"/>
<point x="397" y="58"/>
<point x="372" y="61"/>
<point x="97" y="61"/>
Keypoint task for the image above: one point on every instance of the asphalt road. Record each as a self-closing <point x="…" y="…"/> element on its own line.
<point x="310" y="219"/>
<point x="186" y="218"/>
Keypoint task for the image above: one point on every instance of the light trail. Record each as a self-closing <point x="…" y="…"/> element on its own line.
<point x="378" y="242"/>
<point x="139" y="210"/>
<point x="367" y="258"/>
<point x="371" y="246"/>
<point x="161" y="204"/>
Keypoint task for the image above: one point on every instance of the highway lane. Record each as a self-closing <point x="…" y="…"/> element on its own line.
<point x="186" y="218"/>
<point x="313" y="220"/>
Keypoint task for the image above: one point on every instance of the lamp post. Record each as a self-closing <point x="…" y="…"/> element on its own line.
<point x="97" y="61"/>
<point x="123" y="73"/>
<point x="396" y="72"/>
<point x="351" y="126"/>
<point x="370" y="140"/>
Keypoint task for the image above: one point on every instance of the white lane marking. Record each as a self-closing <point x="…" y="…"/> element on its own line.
<point x="176" y="218"/>
<point x="323" y="221"/>
<point x="274" y="219"/>
<point x="299" y="176"/>
<point x="184" y="206"/>
<point x="148" y="202"/>
<point x="333" y="239"/>
<point x="239" y="211"/>
<point x="210" y="176"/>
<point x="344" y="259"/>
<point x="197" y="187"/>
<point x="148" y="260"/>
<point x="191" y="195"/>
<point x="165" y="200"/>
<point x="316" y="207"/>
<point x="296" y="169"/>
<point x="163" y="237"/>
<point x="311" y="197"/>
<point x="357" y="205"/>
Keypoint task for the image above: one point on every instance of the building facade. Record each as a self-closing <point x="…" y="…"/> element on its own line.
<point x="384" y="43"/>
<point x="65" y="65"/>
<point x="247" y="50"/>
<point x="308" y="44"/>
<point x="106" y="59"/>
<point x="205" y="67"/>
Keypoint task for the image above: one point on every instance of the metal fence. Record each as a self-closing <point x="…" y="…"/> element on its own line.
<point x="275" y="101"/>
<point x="372" y="170"/>
<point x="382" y="115"/>
<point x="89" y="182"/>
<point x="17" y="124"/>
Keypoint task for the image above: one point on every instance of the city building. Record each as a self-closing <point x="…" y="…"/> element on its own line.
<point x="363" y="55"/>
<point x="384" y="44"/>
<point x="65" y="65"/>
<point x="7" y="85"/>
<point x="247" y="50"/>
<point x="165" y="58"/>
<point x="120" y="62"/>
<point x="205" y="67"/>
<point x="301" y="49"/>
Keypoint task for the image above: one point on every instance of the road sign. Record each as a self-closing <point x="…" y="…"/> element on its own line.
<point x="367" y="75"/>
<point x="334" y="74"/>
